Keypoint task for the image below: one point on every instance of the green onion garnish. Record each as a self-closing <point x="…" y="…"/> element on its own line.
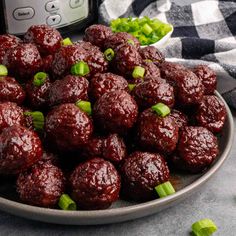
<point x="66" y="203"/>
<point x="39" y="79"/>
<point x="37" y="119"/>
<point x="81" y="68"/>
<point x="138" y="72"/>
<point x="204" y="227"/>
<point x="109" y="54"/>
<point x="131" y="87"/>
<point x="130" y="41"/>
<point x="165" y="189"/>
<point x="161" y="109"/>
<point x="3" y="70"/>
<point x="66" y="42"/>
<point x="146" y="30"/>
<point x="84" y="106"/>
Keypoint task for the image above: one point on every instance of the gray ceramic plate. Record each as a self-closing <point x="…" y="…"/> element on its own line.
<point x="120" y="211"/>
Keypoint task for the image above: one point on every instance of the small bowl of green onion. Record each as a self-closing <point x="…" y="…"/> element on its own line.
<point x="148" y="31"/>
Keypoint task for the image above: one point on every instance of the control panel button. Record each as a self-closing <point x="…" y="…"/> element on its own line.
<point x="54" y="20"/>
<point x="23" y="13"/>
<point x="76" y="3"/>
<point x="52" y="6"/>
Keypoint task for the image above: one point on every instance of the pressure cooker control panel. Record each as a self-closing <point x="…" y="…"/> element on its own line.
<point x="20" y="15"/>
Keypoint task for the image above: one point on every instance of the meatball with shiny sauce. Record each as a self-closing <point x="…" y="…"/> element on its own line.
<point x="153" y="54"/>
<point x="95" y="184"/>
<point x="141" y="173"/>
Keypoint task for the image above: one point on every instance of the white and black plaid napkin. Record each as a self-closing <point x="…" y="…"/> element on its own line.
<point x="204" y="33"/>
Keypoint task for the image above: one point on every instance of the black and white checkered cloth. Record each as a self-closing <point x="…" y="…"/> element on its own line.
<point x="204" y="33"/>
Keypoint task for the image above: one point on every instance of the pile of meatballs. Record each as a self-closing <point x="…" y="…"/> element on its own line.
<point x="124" y="149"/>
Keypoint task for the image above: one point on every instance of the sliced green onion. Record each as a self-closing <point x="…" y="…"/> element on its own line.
<point x="39" y="79"/>
<point x="165" y="189"/>
<point x="37" y="119"/>
<point x="148" y="60"/>
<point x="130" y="41"/>
<point x="84" y="106"/>
<point x="146" y="29"/>
<point x="3" y="70"/>
<point x="66" y="203"/>
<point x="66" y="42"/>
<point x="81" y="68"/>
<point x="204" y="227"/>
<point x="131" y="87"/>
<point x="161" y="109"/>
<point x="109" y="54"/>
<point x="138" y="72"/>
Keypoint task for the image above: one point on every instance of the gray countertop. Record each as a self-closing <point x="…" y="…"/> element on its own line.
<point x="215" y="200"/>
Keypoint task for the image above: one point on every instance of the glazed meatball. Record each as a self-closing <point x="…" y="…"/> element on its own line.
<point x="42" y="185"/>
<point x="47" y="39"/>
<point x="208" y="78"/>
<point x="10" y="114"/>
<point x="153" y="54"/>
<point x="149" y="93"/>
<point x="67" y="56"/>
<point x="37" y="95"/>
<point x="116" y="39"/>
<point x="155" y="133"/>
<point x="141" y="173"/>
<point x="11" y="90"/>
<point x="103" y="83"/>
<point x="95" y="184"/>
<point x="115" y="112"/>
<point x="97" y="34"/>
<point x="152" y="72"/>
<point x="197" y="149"/>
<point x="111" y="148"/>
<point x="23" y="60"/>
<point x="180" y="118"/>
<point x="211" y="113"/>
<point x="67" y="127"/>
<point x="188" y="87"/>
<point x="127" y="57"/>
<point x="47" y="63"/>
<point x="70" y="89"/>
<point x="20" y="148"/>
<point x="7" y="42"/>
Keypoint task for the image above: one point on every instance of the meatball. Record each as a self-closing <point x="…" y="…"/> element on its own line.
<point x="127" y="57"/>
<point x="37" y="95"/>
<point x="70" y="89"/>
<point x="11" y="90"/>
<point x="47" y="63"/>
<point x="111" y="148"/>
<point x="95" y="184"/>
<point x="141" y="173"/>
<point x="211" y="113"/>
<point x="67" y="127"/>
<point x="10" y="114"/>
<point x="7" y="42"/>
<point x="152" y="72"/>
<point x="153" y="54"/>
<point x="97" y="34"/>
<point x="116" y="39"/>
<point x="197" y="149"/>
<point x="67" y="56"/>
<point x="180" y="118"/>
<point x="115" y="112"/>
<point x="47" y="39"/>
<point x="208" y="78"/>
<point x="188" y="87"/>
<point x="156" y="133"/>
<point x="103" y="83"/>
<point x="20" y="148"/>
<point x="23" y="60"/>
<point x="149" y="93"/>
<point x="42" y="185"/>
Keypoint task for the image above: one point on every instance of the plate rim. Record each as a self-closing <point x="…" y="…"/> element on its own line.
<point x="26" y="211"/>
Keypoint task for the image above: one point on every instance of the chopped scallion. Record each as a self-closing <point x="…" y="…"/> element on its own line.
<point x="37" y="119"/>
<point x="39" y="79"/>
<point x="81" y="68"/>
<point x="204" y="227"/>
<point x="3" y="70"/>
<point x="161" y="109"/>
<point x="109" y="54"/>
<point x="66" y="203"/>
<point x="147" y="29"/>
<point x="138" y="72"/>
<point x="66" y="42"/>
<point x="165" y="189"/>
<point x="84" y="106"/>
<point x="131" y="87"/>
